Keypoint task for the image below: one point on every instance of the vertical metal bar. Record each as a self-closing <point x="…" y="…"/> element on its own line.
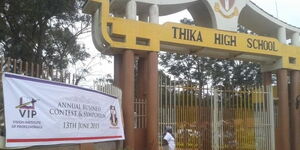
<point x="221" y="119"/>
<point x="272" y="122"/>
<point x="260" y="119"/>
<point x="215" y="121"/>
<point x="160" y="113"/>
<point x="174" y="107"/>
<point x="170" y="101"/>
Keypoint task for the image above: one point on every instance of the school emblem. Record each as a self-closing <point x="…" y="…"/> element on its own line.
<point x="226" y="8"/>
<point x="227" y="4"/>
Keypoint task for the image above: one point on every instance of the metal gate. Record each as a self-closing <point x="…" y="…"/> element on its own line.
<point x="217" y="119"/>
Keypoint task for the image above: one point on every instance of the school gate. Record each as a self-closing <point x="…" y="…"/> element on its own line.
<point x="129" y="30"/>
<point x="217" y="119"/>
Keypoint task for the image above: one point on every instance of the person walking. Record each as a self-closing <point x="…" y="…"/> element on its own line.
<point x="168" y="139"/>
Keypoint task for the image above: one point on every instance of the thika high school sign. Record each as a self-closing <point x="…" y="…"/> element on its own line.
<point x="40" y="112"/>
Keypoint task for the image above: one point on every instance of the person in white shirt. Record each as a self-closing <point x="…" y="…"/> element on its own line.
<point x="169" y="139"/>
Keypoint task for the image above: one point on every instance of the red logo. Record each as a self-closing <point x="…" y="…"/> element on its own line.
<point x="227" y="4"/>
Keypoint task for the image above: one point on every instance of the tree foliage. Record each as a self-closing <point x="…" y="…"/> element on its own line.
<point x="43" y="31"/>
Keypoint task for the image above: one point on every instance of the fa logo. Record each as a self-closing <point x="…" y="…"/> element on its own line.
<point x="27" y="107"/>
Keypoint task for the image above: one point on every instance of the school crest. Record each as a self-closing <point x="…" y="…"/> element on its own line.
<point x="227" y="4"/>
<point x="227" y="8"/>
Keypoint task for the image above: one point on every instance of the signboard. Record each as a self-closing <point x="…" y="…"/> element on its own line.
<point x="41" y="112"/>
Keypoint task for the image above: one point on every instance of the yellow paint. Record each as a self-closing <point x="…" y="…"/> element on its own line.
<point x="157" y="34"/>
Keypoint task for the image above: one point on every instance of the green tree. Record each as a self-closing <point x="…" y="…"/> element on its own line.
<point x="43" y="31"/>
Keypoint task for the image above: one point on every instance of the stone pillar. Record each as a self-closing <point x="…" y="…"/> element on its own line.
<point x="296" y="39"/>
<point x="281" y="35"/>
<point x="128" y="97"/>
<point x="152" y="103"/>
<point x="295" y="113"/>
<point x="283" y="111"/>
<point x="154" y="14"/>
<point x="131" y="10"/>
<point x="127" y="84"/>
<point x="152" y="94"/>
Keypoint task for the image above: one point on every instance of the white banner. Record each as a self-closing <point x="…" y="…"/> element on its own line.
<point x="41" y="112"/>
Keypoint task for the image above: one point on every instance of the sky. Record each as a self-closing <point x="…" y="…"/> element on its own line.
<point x="288" y="11"/>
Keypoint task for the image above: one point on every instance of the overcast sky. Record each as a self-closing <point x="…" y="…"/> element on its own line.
<point x="288" y="11"/>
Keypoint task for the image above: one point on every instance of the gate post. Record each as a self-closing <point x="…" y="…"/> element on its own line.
<point x="283" y="111"/>
<point x="152" y="96"/>
<point x="295" y="122"/>
<point x="295" y="91"/>
<point x="128" y="97"/>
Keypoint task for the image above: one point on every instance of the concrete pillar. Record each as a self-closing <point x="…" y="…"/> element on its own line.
<point x="296" y="39"/>
<point x="295" y="113"/>
<point x="152" y="94"/>
<point x="152" y="102"/>
<point x="281" y="35"/>
<point x="283" y="111"/>
<point x="154" y="14"/>
<point x="128" y="97"/>
<point x="131" y="10"/>
<point x="128" y="84"/>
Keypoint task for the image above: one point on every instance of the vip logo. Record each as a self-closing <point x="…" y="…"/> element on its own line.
<point x="27" y="107"/>
<point x="227" y="4"/>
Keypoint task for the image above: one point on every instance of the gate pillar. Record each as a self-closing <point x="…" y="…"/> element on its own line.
<point x="283" y="137"/>
<point x="152" y="105"/>
<point x="295" y="91"/>
<point x="128" y="97"/>
<point x="152" y="96"/>
<point x="295" y="113"/>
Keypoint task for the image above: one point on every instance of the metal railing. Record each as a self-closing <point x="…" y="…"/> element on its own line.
<point x="217" y="119"/>
<point x="140" y="111"/>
